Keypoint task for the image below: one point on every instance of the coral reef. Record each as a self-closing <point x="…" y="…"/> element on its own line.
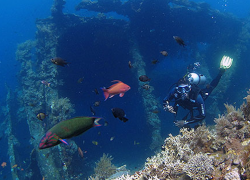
<point x="221" y="152"/>
<point x="199" y="166"/>
<point x="104" y="168"/>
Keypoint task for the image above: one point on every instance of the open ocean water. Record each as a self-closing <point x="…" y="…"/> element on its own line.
<point x="131" y="141"/>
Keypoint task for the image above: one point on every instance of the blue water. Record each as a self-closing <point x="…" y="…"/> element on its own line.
<point x="18" y="25"/>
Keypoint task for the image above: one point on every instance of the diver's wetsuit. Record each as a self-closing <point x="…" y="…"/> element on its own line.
<point x="195" y="102"/>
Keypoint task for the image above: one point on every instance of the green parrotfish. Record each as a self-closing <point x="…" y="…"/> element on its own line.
<point x="67" y="129"/>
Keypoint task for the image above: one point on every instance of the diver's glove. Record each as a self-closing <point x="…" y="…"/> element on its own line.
<point x="180" y="123"/>
<point x="169" y="108"/>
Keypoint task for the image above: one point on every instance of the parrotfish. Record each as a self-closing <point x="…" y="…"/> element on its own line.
<point x="118" y="88"/>
<point x="67" y="129"/>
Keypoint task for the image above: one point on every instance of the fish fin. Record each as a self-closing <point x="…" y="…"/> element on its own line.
<point x="114" y="84"/>
<point x="124" y="119"/>
<point x="63" y="141"/>
<point x="111" y="96"/>
<point x="121" y="94"/>
<point x="96" y="122"/>
<point x="115" y="81"/>
<point x="105" y="93"/>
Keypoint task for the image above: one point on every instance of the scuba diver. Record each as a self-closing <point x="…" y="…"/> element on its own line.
<point x="188" y="95"/>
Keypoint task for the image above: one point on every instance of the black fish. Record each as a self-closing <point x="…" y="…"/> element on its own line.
<point x="155" y="61"/>
<point x="96" y="91"/>
<point x="59" y="61"/>
<point x="144" y="78"/>
<point x="119" y="113"/>
<point x="92" y="110"/>
<point x="179" y="41"/>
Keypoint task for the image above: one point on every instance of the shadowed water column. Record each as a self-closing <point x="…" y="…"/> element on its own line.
<point x="149" y="100"/>
<point x="36" y="97"/>
<point x="11" y="138"/>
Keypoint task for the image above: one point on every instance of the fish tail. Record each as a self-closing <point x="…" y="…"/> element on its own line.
<point x="124" y="119"/>
<point x="96" y="122"/>
<point x="63" y="141"/>
<point x="105" y="93"/>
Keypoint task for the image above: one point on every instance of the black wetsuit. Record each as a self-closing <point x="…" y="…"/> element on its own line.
<point x="195" y="101"/>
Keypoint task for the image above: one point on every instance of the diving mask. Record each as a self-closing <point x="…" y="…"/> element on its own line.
<point x="183" y="89"/>
<point x="226" y="62"/>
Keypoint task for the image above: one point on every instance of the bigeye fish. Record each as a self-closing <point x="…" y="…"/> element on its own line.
<point x="67" y="129"/>
<point x="118" y="88"/>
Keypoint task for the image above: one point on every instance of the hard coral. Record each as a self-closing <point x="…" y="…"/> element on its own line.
<point x="104" y="168"/>
<point x="232" y="125"/>
<point x="199" y="166"/>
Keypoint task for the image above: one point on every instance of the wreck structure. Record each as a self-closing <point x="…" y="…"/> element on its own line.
<point x="140" y="35"/>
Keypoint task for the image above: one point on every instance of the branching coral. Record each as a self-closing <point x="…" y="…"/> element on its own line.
<point x="179" y="146"/>
<point x="104" y="168"/>
<point x="246" y="107"/>
<point x="199" y="166"/>
<point x="232" y="125"/>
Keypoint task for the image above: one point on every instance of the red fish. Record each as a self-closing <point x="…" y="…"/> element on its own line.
<point x="118" y="88"/>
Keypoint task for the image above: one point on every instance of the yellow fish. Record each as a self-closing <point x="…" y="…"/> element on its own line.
<point x="14" y="166"/>
<point x="136" y="143"/>
<point x="95" y="143"/>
